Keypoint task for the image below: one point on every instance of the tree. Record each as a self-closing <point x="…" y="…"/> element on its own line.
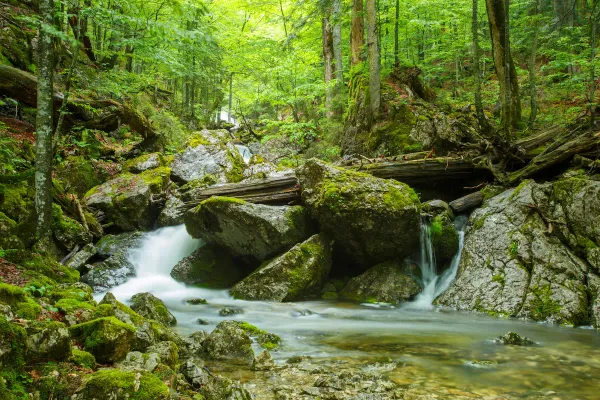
<point x="357" y="34"/>
<point x="44" y="125"/>
<point x="374" y="58"/>
<point x="328" y="63"/>
<point x="498" y="17"/>
<point x="336" y="16"/>
<point x="483" y="122"/>
<point x="396" y="35"/>
<point x="532" y="64"/>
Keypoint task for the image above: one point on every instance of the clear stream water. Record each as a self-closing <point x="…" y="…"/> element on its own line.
<point x="443" y="351"/>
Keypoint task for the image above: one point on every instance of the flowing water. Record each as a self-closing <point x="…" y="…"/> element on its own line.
<point x="441" y="352"/>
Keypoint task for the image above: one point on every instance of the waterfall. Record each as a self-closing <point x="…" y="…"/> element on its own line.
<point x="244" y="152"/>
<point x="434" y="284"/>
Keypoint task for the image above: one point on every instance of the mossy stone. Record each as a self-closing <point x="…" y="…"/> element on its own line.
<point x="108" y="339"/>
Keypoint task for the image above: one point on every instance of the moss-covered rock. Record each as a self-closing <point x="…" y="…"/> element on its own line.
<point x="8" y="240"/>
<point x="293" y="276"/>
<point x="444" y="238"/>
<point x="21" y="304"/>
<point x="83" y="359"/>
<point x="209" y="267"/>
<point x="229" y="342"/>
<point x="266" y="340"/>
<point x="167" y="351"/>
<point x="48" y="340"/>
<point x="16" y="201"/>
<point x="150" y="306"/>
<point x="68" y="232"/>
<point x="109" y="306"/>
<point x="122" y="385"/>
<point x="108" y="339"/>
<point x="372" y="220"/>
<point x="248" y="230"/>
<point x="12" y="360"/>
<point x="78" y="175"/>
<point x="389" y="282"/>
<point x="144" y="163"/>
<point x="128" y="200"/>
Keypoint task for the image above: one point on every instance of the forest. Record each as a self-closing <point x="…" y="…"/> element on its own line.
<point x="299" y="199"/>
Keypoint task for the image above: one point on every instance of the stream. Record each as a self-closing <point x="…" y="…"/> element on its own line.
<point x="439" y="351"/>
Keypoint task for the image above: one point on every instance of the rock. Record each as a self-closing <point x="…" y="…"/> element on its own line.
<point x="372" y="220"/>
<point x="438" y="207"/>
<point x="144" y="163"/>
<point x="145" y="336"/>
<point x="196" y="301"/>
<point x="122" y="385"/>
<point x="227" y="312"/>
<point x="151" y="307"/>
<point x="48" y="341"/>
<point x="6" y="312"/>
<point x="111" y="245"/>
<point x="527" y="253"/>
<point x="194" y="342"/>
<point x="8" y="239"/>
<point x="136" y="361"/>
<point x="168" y="352"/>
<point x="68" y="232"/>
<point x="444" y="239"/>
<point x="266" y="340"/>
<point x="202" y="321"/>
<point x="228" y="342"/>
<point x="78" y="175"/>
<point x="108" y="339"/>
<point x="514" y="339"/>
<point x="389" y="282"/>
<point x="83" y="359"/>
<point x="208" y="153"/>
<point x="263" y="362"/>
<point x="248" y="230"/>
<point x="131" y="201"/>
<point x="195" y="376"/>
<point x="12" y="344"/>
<point x="172" y="214"/>
<point x="209" y="267"/>
<point x="81" y="258"/>
<point x="293" y="276"/>
<point x="22" y="306"/>
<point x="111" y="307"/>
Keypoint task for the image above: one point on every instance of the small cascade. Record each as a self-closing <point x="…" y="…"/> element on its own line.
<point x="433" y="283"/>
<point x="244" y="152"/>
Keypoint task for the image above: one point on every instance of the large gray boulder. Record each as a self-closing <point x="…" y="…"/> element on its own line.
<point x="372" y="220"/>
<point x="229" y="342"/>
<point x="208" y="153"/>
<point x="389" y="282"/>
<point x="131" y="201"/>
<point x="48" y="341"/>
<point x="151" y="307"/>
<point x="172" y="213"/>
<point x="210" y="266"/>
<point x="248" y="230"/>
<point x="532" y="252"/>
<point x="295" y="275"/>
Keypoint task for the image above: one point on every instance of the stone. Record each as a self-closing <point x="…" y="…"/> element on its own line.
<point x="372" y="220"/>
<point x="229" y="342"/>
<point x="195" y="376"/>
<point x="173" y="212"/>
<point x="136" y="361"/>
<point x="151" y="307"/>
<point x="208" y="153"/>
<point x="48" y="341"/>
<point x="444" y="239"/>
<point x="227" y="312"/>
<point x="108" y="339"/>
<point x="111" y="245"/>
<point x="514" y="339"/>
<point x="263" y="362"/>
<point x="296" y="275"/>
<point x="194" y="342"/>
<point x="168" y="352"/>
<point x="81" y="258"/>
<point x="527" y="253"/>
<point x="389" y="282"/>
<point x="121" y="385"/>
<point x="109" y="306"/>
<point x="144" y="163"/>
<point x="131" y="201"/>
<point x="210" y="266"/>
<point x="8" y="239"/>
<point x="248" y="230"/>
<point x="196" y="301"/>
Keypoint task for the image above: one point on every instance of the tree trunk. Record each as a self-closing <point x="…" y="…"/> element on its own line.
<point x="336" y="16"/>
<point x="44" y="125"/>
<point x="396" y="38"/>
<point x="329" y="69"/>
<point x="594" y="28"/>
<point x="503" y="63"/>
<point x="532" y="61"/>
<point x="374" y="58"/>
<point x="483" y="122"/>
<point x="357" y="36"/>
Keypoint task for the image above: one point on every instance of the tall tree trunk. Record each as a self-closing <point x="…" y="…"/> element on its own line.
<point x="357" y="36"/>
<point x="532" y="61"/>
<point x="329" y="68"/>
<point x="483" y="122"/>
<point x="336" y="15"/>
<point x="396" y="34"/>
<point x="497" y="11"/>
<point x="595" y="14"/>
<point x="44" y="126"/>
<point x="374" y="58"/>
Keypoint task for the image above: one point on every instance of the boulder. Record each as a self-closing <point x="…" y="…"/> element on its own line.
<point x="530" y="252"/>
<point x="208" y="153"/>
<point x="144" y="163"/>
<point x="172" y="214"/>
<point x="108" y="339"/>
<point x="111" y="245"/>
<point x="167" y="351"/>
<point x="81" y="258"/>
<point x="111" y="307"/>
<point x="514" y="339"/>
<point x="48" y="341"/>
<point x="389" y="282"/>
<point x="372" y="220"/>
<point x="263" y="362"/>
<point x="151" y="307"/>
<point x="195" y="376"/>
<point x="136" y="361"/>
<point x="122" y="385"/>
<point x="8" y="239"/>
<point x="194" y="342"/>
<point x="248" y="230"/>
<point x="444" y="239"/>
<point x="229" y="342"/>
<point x="293" y="276"/>
<point x="131" y="202"/>
<point x="210" y="266"/>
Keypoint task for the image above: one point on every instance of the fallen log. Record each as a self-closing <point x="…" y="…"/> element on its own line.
<point x="466" y="203"/>
<point x="104" y="115"/>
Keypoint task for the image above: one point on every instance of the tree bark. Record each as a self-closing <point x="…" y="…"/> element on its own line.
<point x="44" y="125"/>
<point x="532" y="63"/>
<point x="503" y="63"/>
<point x="336" y="15"/>
<point x="479" y="111"/>
<point x="374" y="58"/>
<point x="357" y="36"/>
<point x="396" y="38"/>
<point x="594" y="28"/>
<point x="329" y="68"/>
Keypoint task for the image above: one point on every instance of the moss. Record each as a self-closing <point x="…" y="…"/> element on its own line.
<point x="127" y="384"/>
<point x="66" y="230"/>
<point x="500" y="279"/>
<point x="444" y="237"/>
<point x="83" y="359"/>
<point x="268" y="341"/>
<point x="513" y="248"/>
<point x="236" y="173"/>
<point x="104" y="337"/>
<point x="204" y="182"/>
<point x="519" y="188"/>
<point x="131" y="165"/>
<point x="12" y="341"/>
<point x="197" y="139"/>
<point x="17" y="200"/>
<point x="109" y="310"/>
<point x="330" y="296"/>
<point x="22" y="305"/>
<point x="479" y="222"/>
<point x="542" y="305"/>
<point x="222" y="199"/>
<point x="78" y="175"/>
<point x="70" y="306"/>
<point x="51" y="268"/>
<point x="491" y="191"/>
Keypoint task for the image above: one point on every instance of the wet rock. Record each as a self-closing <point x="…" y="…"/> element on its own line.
<point x="151" y="307"/>
<point x="389" y="282"/>
<point x="528" y="251"/>
<point x="121" y="385"/>
<point x="195" y="375"/>
<point x="196" y="301"/>
<point x="263" y="362"/>
<point x="108" y="339"/>
<point x="111" y="245"/>
<point x="248" y="230"/>
<point x="514" y="339"/>
<point x="209" y="267"/>
<point x="208" y="153"/>
<point x="167" y="351"/>
<point x="194" y="342"/>
<point x="131" y="202"/>
<point x="372" y="220"/>
<point x="298" y="359"/>
<point x="109" y="306"/>
<point x="48" y="341"/>
<point x="230" y="343"/>
<point x="202" y="321"/>
<point x="438" y="207"/>
<point x="295" y="275"/>
<point x="144" y="163"/>
<point x="266" y="340"/>
<point x="136" y="361"/>
<point x="227" y="312"/>
<point x="172" y="213"/>
<point x="81" y="258"/>
<point x="444" y="238"/>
